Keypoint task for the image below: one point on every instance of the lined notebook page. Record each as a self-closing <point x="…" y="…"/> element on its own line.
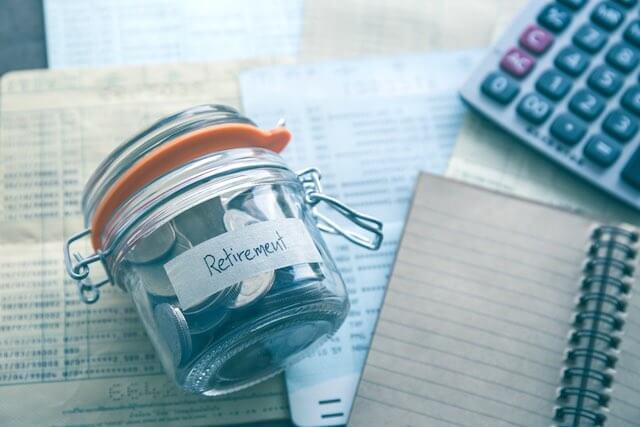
<point x="476" y="316"/>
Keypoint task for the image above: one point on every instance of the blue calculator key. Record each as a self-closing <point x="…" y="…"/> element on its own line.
<point x="602" y="151"/>
<point x="605" y="80"/>
<point x="623" y="56"/>
<point x="555" y="17"/>
<point x="627" y="3"/>
<point x="586" y="104"/>
<point x="632" y="33"/>
<point x="568" y="129"/>
<point x="572" y="61"/>
<point x="631" y="172"/>
<point x="554" y="84"/>
<point x="573" y="4"/>
<point x="590" y="38"/>
<point x="534" y="108"/>
<point x="620" y="125"/>
<point x="607" y="15"/>
<point x="500" y="88"/>
<point x="631" y="99"/>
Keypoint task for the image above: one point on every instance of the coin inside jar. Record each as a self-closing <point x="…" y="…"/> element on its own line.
<point x="254" y="287"/>
<point x="213" y="312"/>
<point x="201" y="222"/>
<point x="174" y="330"/>
<point x="153" y="276"/>
<point x="154" y="246"/>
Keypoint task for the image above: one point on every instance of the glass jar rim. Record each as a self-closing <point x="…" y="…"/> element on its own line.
<point x="166" y="156"/>
<point x="157" y="134"/>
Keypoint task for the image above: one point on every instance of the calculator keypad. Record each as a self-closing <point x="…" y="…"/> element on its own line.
<point x="623" y="57"/>
<point x="568" y="129"/>
<point x="620" y="125"/>
<point x="601" y="150"/>
<point x="572" y="61"/>
<point x="555" y="17"/>
<point x="517" y="62"/>
<point x="607" y="15"/>
<point x="569" y="80"/>
<point x="605" y="80"/>
<point x="535" y="39"/>
<point x="500" y="88"/>
<point x="590" y="38"/>
<point x="586" y="104"/>
<point x="535" y="108"/>
<point x="553" y="84"/>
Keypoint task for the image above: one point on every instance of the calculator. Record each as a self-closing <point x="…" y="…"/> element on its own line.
<point x="564" y="80"/>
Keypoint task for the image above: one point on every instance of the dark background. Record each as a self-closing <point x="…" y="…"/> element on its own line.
<point x="22" y="36"/>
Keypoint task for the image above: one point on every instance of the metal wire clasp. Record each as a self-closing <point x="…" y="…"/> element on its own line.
<point x="310" y="179"/>
<point x="80" y="269"/>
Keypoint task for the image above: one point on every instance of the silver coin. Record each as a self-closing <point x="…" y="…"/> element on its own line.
<point x="213" y="312"/>
<point x="254" y="287"/>
<point x="201" y="222"/>
<point x="153" y="276"/>
<point x="154" y="246"/>
<point x="234" y="219"/>
<point x="174" y="330"/>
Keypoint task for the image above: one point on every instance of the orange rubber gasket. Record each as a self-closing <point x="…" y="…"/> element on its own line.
<point x="176" y="153"/>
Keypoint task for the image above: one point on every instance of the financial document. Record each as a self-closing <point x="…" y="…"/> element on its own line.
<point x="490" y="157"/>
<point x="65" y="363"/>
<point x="347" y="28"/>
<point x="110" y="32"/>
<point x="369" y="126"/>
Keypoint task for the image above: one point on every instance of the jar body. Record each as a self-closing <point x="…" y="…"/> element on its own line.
<point x="230" y="276"/>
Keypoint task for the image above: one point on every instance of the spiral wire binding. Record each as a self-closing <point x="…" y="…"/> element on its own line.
<point x="594" y="341"/>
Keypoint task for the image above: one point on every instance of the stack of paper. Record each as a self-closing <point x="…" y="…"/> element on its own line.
<point x="65" y="363"/>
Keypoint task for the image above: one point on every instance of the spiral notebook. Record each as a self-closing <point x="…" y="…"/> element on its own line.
<point x="504" y="312"/>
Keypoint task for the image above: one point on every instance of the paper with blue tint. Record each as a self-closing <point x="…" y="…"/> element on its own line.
<point x="109" y="32"/>
<point x="369" y="126"/>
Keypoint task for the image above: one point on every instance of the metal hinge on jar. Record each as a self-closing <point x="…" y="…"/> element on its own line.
<point x="310" y="179"/>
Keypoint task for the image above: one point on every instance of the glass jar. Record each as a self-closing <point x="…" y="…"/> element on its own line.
<point x="217" y="241"/>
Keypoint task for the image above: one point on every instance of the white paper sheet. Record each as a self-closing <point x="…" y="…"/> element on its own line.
<point x="65" y="363"/>
<point x="107" y="32"/>
<point x="369" y="126"/>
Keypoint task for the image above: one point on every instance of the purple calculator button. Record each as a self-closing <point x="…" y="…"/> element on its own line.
<point x="536" y="39"/>
<point x="517" y="62"/>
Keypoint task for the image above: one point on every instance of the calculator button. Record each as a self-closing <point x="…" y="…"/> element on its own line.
<point x="631" y="172"/>
<point x="517" y="62"/>
<point x="631" y="99"/>
<point x="572" y="61"/>
<point x="620" y="125"/>
<point x="568" y="129"/>
<point x="605" y="80"/>
<point x="573" y="4"/>
<point x="586" y="104"/>
<point x="601" y="150"/>
<point x="590" y="38"/>
<point x="534" y="108"/>
<point x="607" y="15"/>
<point x="553" y="84"/>
<point x="555" y="17"/>
<point x="623" y="57"/>
<point x="500" y="88"/>
<point x="536" y="39"/>
<point x="627" y="3"/>
<point x="632" y="33"/>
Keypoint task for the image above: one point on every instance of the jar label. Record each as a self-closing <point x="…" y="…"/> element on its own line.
<point x="234" y="256"/>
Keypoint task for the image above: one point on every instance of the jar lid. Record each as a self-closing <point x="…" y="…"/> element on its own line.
<point x="136" y="169"/>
